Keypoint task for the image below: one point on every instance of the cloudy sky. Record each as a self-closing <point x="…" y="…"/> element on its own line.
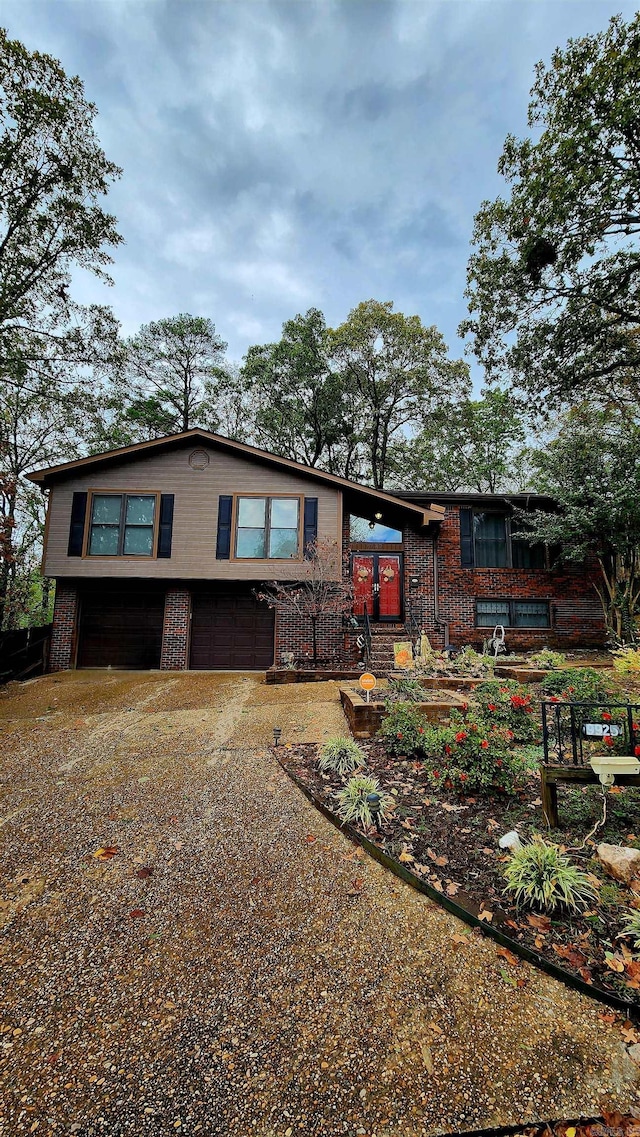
<point x="283" y="155"/>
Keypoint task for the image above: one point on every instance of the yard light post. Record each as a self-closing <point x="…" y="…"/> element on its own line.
<point x="373" y="801"/>
<point x="277" y="731"/>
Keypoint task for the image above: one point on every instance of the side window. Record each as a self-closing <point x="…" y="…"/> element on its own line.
<point x="121" y="525"/>
<point x="267" y="528"/>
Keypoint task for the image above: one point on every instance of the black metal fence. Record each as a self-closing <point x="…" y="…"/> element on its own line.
<point x="571" y="731"/>
<point x="24" y="652"/>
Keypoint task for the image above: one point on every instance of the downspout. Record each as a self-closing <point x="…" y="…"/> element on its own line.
<point x="436" y="593"/>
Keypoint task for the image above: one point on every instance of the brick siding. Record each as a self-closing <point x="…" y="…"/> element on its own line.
<point x="63" y="632"/>
<point x="174" y="655"/>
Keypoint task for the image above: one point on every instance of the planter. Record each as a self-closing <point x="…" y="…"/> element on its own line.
<point x="304" y="675"/>
<point x="365" y="718"/>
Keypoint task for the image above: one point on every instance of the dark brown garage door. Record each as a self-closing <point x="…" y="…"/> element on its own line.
<point x="121" y="628"/>
<point x="231" y="630"/>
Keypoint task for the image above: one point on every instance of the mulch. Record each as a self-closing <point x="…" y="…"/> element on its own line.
<point x="451" y="842"/>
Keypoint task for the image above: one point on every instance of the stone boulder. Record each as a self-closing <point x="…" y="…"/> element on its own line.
<point x="620" y="862"/>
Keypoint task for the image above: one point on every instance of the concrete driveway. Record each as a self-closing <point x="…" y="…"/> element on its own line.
<point x="231" y="965"/>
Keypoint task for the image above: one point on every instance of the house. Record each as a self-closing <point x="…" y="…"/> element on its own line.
<point x="157" y="550"/>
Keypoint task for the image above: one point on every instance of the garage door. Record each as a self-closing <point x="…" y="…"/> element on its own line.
<point x="231" y="630"/>
<point x="120" y="629"/>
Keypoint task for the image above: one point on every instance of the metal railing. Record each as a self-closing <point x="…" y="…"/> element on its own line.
<point x="564" y="728"/>
<point x="366" y="635"/>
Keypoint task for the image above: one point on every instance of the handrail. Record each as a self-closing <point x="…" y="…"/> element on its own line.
<point x="366" y="650"/>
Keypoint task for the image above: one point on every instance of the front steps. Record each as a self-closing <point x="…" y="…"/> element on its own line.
<point x="383" y="638"/>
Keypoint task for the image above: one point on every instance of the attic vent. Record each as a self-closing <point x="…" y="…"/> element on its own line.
<point x="198" y="459"/>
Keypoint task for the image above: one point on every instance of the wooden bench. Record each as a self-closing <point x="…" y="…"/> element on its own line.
<point x="551" y="775"/>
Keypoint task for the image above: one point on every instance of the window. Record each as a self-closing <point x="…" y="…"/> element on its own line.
<point x="362" y="530"/>
<point x="267" y="528"/>
<point x="512" y="613"/>
<point x="492" y="540"/>
<point x="122" y="525"/>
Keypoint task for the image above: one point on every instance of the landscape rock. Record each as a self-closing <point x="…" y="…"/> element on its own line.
<point x="620" y="861"/>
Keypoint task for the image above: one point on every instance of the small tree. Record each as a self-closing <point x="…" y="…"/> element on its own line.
<point x="323" y="592"/>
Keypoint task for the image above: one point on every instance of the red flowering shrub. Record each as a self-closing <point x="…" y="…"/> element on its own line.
<point x="475" y="759"/>
<point x="509" y="704"/>
<point x="404" y="730"/>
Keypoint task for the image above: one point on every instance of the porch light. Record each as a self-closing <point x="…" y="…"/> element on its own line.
<point x="372" y="524"/>
<point x="277" y="731"/>
<point x="606" y="766"/>
<point x="378" y="516"/>
<point x="373" y="801"/>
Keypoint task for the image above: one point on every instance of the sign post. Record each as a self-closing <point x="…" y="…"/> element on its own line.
<point x="368" y="682"/>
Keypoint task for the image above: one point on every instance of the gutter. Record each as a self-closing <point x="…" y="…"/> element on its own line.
<point x="440" y="623"/>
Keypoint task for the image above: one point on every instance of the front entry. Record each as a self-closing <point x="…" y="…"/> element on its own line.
<point x="377" y="582"/>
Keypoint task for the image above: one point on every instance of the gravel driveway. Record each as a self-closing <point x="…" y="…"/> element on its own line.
<point x="236" y="967"/>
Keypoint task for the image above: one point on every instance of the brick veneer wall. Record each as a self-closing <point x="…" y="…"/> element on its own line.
<point x="174" y="655"/>
<point x="63" y="632"/>
<point x="576" y="614"/>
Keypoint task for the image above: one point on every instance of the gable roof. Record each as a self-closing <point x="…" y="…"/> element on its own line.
<point x="50" y="475"/>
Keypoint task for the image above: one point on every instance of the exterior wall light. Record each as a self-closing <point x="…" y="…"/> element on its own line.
<point x="606" y="766"/>
<point x="378" y="516"/>
<point x="277" y="731"/>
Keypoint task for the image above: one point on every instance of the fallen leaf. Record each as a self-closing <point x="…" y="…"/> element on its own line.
<point x="537" y="801"/>
<point x="178" y="845"/>
<point x="442" y="861"/>
<point x="427" y="1057"/>
<point x="571" y="1131"/>
<point x="630" y="1036"/>
<point x="570" y="953"/>
<point x="484" y="915"/>
<point x="539" y="941"/>
<point x="310" y="839"/>
<point x="136" y="913"/>
<point x="104" y="854"/>
<point x="492" y="825"/>
<point x="144" y="872"/>
<point x="458" y="939"/>
<point x="543" y="923"/>
<point x="614" y="962"/>
<point x="406" y="857"/>
<point x="452" y="888"/>
<point x="607" y="1018"/>
<point x="488" y="852"/>
<point x="510" y="979"/>
<point x="453" y="808"/>
<point x="437" y="884"/>
<point x="504" y="953"/>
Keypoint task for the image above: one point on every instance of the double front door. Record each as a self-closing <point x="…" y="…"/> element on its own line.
<point x="377" y="582"/>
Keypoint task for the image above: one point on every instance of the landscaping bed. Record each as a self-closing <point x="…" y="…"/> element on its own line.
<point x="451" y="842"/>
<point x="365" y="718"/>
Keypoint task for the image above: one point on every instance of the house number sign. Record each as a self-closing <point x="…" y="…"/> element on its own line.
<point x="601" y="730"/>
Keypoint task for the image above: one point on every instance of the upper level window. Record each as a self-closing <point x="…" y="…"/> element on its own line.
<point x="267" y="528"/>
<point x="491" y="540"/>
<point x="360" y="529"/>
<point x="122" y="525"/>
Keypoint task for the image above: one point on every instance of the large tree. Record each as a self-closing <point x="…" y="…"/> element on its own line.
<point x="396" y="373"/>
<point x="53" y="177"/>
<point x="477" y="444"/>
<point x="592" y="469"/>
<point x="170" y="378"/>
<point x="302" y="409"/>
<point x="554" y="281"/>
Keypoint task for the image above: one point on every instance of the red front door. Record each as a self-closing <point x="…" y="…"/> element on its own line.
<point x="377" y="582"/>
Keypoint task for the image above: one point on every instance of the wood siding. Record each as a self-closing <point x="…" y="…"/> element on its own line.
<point x="195" y="519"/>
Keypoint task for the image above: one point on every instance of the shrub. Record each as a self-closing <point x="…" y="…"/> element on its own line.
<point x="404" y="690"/>
<point x="539" y="876"/>
<point x="473" y="755"/>
<point x="352" y="800"/>
<point x="547" y="659"/>
<point x="632" y="927"/>
<point x="511" y="705"/>
<point x="403" y="730"/>
<point x="340" y="756"/>
<point x="470" y="662"/>
<point x="626" y="661"/>
<point x="582" y="684"/>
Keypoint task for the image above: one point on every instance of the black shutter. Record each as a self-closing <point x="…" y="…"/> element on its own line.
<point x="165" y="527"/>
<point x="466" y="538"/>
<point x="310" y="523"/>
<point x="76" y="529"/>
<point x="223" y="544"/>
